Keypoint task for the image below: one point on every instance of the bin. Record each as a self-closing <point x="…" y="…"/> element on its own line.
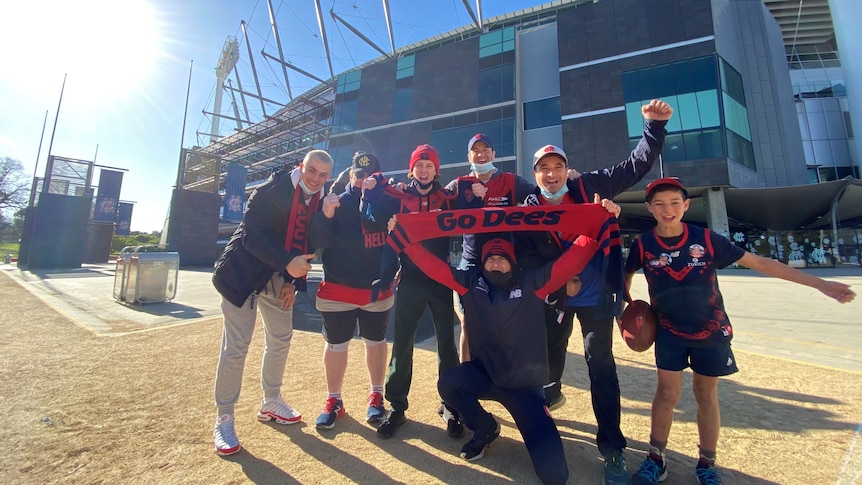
<point x="121" y="274"/>
<point x="149" y="275"/>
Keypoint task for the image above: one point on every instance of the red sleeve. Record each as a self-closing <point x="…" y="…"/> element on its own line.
<point x="570" y="263"/>
<point x="436" y="269"/>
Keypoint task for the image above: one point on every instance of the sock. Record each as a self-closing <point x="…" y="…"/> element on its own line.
<point x="377" y="389"/>
<point x="335" y="394"/>
<point x="707" y="459"/>
<point x="656" y="450"/>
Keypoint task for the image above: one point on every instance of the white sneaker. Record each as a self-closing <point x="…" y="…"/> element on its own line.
<point x="278" y="410"/>
<point x="224" y="436"/>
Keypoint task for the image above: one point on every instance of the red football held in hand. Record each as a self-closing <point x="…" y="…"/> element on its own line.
<point x="637" y="325"/>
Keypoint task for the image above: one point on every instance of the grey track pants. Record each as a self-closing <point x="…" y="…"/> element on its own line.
<point x="239" y="323"/>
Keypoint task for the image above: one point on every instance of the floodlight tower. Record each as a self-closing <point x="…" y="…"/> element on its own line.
<point x="227" y="61"/>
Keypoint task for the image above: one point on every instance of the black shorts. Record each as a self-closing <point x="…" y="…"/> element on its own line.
<point x="339" y="327"/>
<point x="711" y="359"/>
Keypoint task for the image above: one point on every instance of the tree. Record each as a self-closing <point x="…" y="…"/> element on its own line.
<point x="14" y="185"/>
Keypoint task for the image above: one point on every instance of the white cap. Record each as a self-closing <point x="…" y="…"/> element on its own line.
<point x="549" y="150"/>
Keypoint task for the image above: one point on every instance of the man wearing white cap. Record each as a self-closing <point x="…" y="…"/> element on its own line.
<point x="594" y="296"/>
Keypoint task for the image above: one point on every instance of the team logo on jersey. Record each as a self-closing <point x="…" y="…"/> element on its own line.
<point x="663" y="260"/>
<point x="696" y="251"/>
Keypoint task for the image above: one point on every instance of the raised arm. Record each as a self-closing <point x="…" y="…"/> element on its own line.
<point x="770" y="267"/>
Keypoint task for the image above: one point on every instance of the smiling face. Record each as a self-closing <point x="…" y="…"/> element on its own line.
<point x="480" y="153"/>
<point x="668" y="207"/>
<point x="550" y="173"/>
<point x="315" y="172"/>
<point x="424" y="171"/>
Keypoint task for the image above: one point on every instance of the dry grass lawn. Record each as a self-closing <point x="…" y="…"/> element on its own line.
<point x="138" y="409"/>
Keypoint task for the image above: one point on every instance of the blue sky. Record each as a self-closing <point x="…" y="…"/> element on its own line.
<point x="127" y="65"/>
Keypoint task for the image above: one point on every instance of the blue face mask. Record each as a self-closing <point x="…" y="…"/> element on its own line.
<point x="559" y="194"/>
<point x="482" y="168"/>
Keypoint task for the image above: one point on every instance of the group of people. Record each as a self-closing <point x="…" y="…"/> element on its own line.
<point x="547" y="252"/>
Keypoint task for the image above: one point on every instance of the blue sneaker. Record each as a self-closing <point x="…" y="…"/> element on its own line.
<point x="708" y="476"/>
<point x="332" y="410"/>
<point x="615" y="469"/>
<point x="376" y="409"/>
<point x="650" y="473"/>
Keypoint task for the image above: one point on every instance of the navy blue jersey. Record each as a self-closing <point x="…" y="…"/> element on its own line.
<point x="683" y="287"/>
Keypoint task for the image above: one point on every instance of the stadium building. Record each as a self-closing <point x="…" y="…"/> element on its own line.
<point x="761" y="133"/>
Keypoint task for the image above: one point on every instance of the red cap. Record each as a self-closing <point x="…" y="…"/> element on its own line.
<point x="425" y="152"/>
<point x="499" y="247"/>
<point x="665" y="181"/>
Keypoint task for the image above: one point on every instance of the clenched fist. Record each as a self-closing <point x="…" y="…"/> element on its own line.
<point x="657" y="110"/>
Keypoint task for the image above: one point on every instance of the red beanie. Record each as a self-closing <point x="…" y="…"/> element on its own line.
<point x="425" y="152"/>
<point x="499" y="247"/>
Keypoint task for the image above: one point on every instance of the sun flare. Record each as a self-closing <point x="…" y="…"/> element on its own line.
<point x="107" y="47"/>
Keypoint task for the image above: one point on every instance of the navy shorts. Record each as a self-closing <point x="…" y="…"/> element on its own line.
<point x="339" y="327"/>
<point x="711" y="359"/>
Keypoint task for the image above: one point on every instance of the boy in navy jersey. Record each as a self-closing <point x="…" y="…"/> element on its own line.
<point x="679" y="261"/>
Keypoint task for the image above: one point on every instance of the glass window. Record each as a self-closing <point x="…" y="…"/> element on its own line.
<point x="674" y="149"/>
<point x="348" y="82"/>
<point x="497" y="42"/>
<point x="703" y="73"/>
<point x="451" y="143"/>
<point x="812" y="176"/>
<point x="674" y="123"/>
<point x="405" y="67"/>
<point x="542" y="113"/>
<point x="344" y="118"/>
<point x="496" y="84"/>
<point x="847" y="124"/>
<point x="402" y="106"/>
<point x="707" y="104"/>
<point x="631" y="91"/>
<point x="494" y="37"/>
<point x="664" y="83"/>
<point x="731" y="83"/>
<point x="646" y="83"/>
<point x="740" y="150"/>
<point x="702" y="144"/>
<point x="736" y="117"/>
<point x="827" y="174"/>
<point x="682" y="77"/>
<point x="634" y="119"/>
<point x="687" y="111"/>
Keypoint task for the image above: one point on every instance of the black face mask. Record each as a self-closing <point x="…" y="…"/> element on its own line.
<point x="498" y="279"/>
<point x="424" y="186"/>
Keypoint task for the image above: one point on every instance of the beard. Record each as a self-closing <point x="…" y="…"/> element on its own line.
<point x="499" y="279"/>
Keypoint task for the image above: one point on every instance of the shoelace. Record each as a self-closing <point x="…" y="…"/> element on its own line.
<point x="650" y="470"/>
<point x="708" y="476"/>
<point x="331" y="402"/>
